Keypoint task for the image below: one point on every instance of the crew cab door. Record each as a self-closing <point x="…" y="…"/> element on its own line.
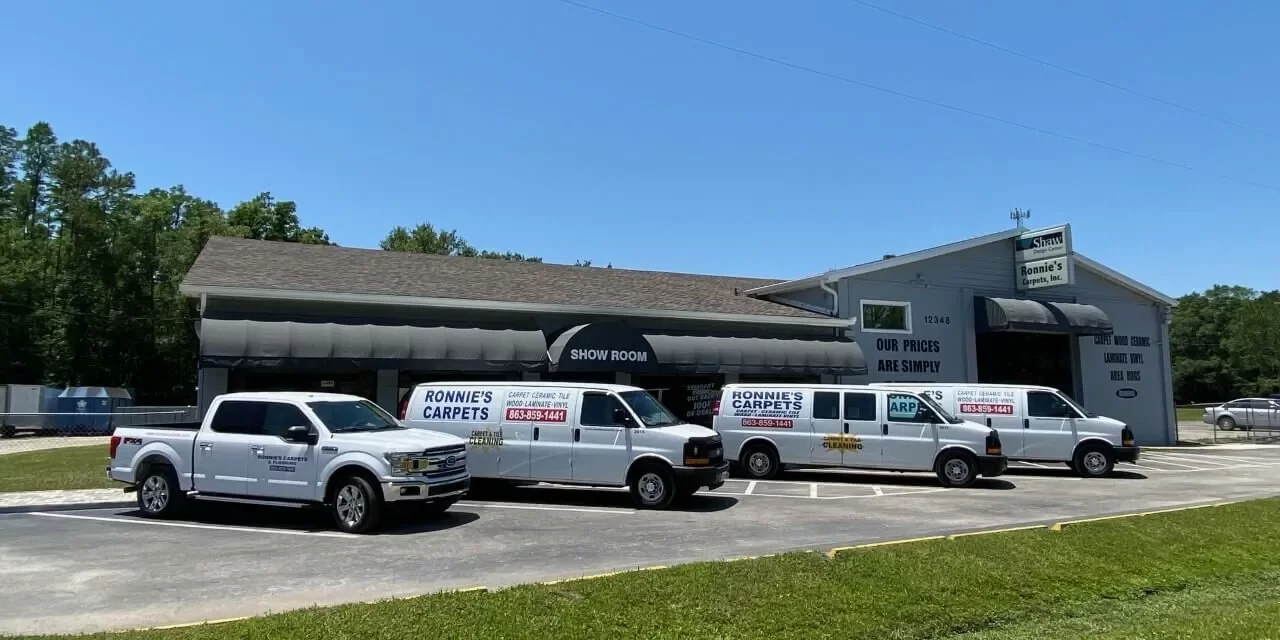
<point x="279" y="469"/>
<point x="220" y="461"/>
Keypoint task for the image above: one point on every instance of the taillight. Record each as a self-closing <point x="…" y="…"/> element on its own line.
<point x="993" y="443"/>
<point x="1126" y="437"/>
<point x="115" y="443"/>
<point x="404" y="405"/>
<point x="715" y="408"/>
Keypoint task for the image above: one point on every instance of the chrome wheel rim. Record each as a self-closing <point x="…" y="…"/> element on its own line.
<point x="652" y="488"/>
<point x="350" y="505"/>
<point x="155" y="494"/>
<point x="759" y="463"/>
<point x="1094" y="462"/>
<point x="1224" y="424"/>
<point x="957" y="470"/>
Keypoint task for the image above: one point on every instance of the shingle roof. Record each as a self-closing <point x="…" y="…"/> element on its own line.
<point x="257" y="264"/>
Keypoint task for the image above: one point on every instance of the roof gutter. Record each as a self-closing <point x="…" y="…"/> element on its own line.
<point x="499" y="305"/>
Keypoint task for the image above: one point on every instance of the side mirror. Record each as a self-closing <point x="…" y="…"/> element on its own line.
<point x="621" y="417"/>
<point x="301" y="434"/>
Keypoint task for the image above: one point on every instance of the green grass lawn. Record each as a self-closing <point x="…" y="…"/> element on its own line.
<point x="67" y="468"/>
<point x="1207" y="573"/>
<point x="1190" y="414"/>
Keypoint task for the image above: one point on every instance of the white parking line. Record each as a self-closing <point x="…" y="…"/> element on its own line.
<point x="1214" y="464"/>
<point x="189" y="525"/>
<point x="751" y="486"/>
<point x="1038" y="466"/>
<point x="1238" y="459"/>
<point x="813" y="490"/>
<point x="1154" y="460"/>
<point x="538" y="507"/>
<point x="877" y="489"/>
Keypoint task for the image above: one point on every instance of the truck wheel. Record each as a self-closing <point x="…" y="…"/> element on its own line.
<point x="1094" y="461"/>
<point x="8" y="431"/>
<point x="760" y="462"/>
<point x="1226" y="423"/>
<point x="653" y="486"/>
<point x="438" y="507"/>
<point x="356" y="507"/>
<point x="159" y="494"/>
<point x="957" y="469"/>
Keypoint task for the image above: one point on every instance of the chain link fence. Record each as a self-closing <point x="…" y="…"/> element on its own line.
<point x="23" y="432"/>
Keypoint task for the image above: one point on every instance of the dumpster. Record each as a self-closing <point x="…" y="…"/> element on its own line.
<point x="88" y="410"/>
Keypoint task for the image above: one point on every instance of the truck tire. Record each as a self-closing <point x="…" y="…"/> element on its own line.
<point x="957" y="468"/>
<point x="1093" y="461"/>
<point x="356" y="506"/>
<point x="8" y="431"/>
<point x="653" y="486"/>
<point x="760" y="461"/>
<point x="159" y="494"/>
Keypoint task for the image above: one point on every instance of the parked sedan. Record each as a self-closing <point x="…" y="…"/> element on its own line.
<point x="1244" y="413"/>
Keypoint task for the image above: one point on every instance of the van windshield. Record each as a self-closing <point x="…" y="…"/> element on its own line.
<point x="651" y="412"/>
<point x="1076" y="405"/>
<point x="345" y="416"/>
<point x="937" y="408"/>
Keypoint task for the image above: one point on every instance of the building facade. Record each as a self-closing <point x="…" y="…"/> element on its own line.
<point x="374" y="323"/>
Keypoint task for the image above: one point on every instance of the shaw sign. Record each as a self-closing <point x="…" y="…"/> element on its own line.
<point x="1044" y="258"/>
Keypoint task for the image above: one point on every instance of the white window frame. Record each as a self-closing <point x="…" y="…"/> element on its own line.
<point x="884" y="303"/>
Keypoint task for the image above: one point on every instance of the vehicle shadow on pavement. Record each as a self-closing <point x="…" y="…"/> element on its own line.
<point x="889" y="480"/>
<point x="595" y="497"/>
<point x="308" y="520"/>
<point x="1067" y="473"/>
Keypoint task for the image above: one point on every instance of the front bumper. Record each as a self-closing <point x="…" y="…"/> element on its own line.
<point x="990" y="466"/>
<point x="1125" y="454"/>
<point x="417" y="490"/>
<point x="711" y="477"/>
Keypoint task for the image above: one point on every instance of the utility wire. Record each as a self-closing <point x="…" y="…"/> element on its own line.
<point x="1067" y="70"/>
<point x="908" y="96"/>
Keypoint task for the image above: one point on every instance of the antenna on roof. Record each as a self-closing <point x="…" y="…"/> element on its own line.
<point x="1019" y="215"/>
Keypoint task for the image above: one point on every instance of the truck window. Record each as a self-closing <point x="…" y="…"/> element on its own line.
<point x="652" y="413"/>
<point x="597" y="409"/>
<point x="277" y="417"/>
<point x="859" y="406"/>
<point x="344" y="416"/>
<point x="238" y="416"/>
<point x="907" y="408"/>
<point x="1042" y="404"/>
<point x="826" y="405"/>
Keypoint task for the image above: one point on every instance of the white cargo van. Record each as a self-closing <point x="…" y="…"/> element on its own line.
<point x="572" y="433"/>
<point x="768" y="426"/>
<point x="1039" y="424"/>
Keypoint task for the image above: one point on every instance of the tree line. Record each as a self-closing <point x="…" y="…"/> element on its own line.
<point x="90" y="266"/>
<point x="1224" y="344"/>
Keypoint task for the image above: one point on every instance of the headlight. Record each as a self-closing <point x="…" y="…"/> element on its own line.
<point x="401" y="462"/>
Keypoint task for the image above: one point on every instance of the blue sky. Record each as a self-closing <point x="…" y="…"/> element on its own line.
<point x="543" y="128"/>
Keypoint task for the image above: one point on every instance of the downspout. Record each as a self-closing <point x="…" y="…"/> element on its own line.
<point x="835" y="297"/>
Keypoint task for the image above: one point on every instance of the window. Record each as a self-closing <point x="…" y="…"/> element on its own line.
<point x="651" y="412"/>
<point x="860" y="406"/>
<point x="1260" y="404"/>
<point x="886" y="316"/>
<point x="826" y="405"/>
<point x="1237" y="404"/>
<point x="905" y="408"/>
<point x="238" y="417"/>
<point x="277" y="417"/>
<point x="597" y="410"/>
<point x="343" y="416"/>
<point x="1042" y="404"/>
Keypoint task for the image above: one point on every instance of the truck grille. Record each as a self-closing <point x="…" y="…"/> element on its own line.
<point x="441" y="462"/>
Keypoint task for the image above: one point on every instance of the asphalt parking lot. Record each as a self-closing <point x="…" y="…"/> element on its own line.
<point x="80" y="571"/>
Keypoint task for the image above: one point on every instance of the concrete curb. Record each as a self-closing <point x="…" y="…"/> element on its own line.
<point x="73" y="506"/>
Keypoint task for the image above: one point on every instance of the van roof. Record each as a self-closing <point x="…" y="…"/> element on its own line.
<point x="296" y="396"/>
<point x="618" y="388"/>
<point x="798" y="385"/>
<point x="1032" y="387"/>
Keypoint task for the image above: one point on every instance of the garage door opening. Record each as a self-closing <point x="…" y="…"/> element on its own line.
<point x="1015" y="357"/>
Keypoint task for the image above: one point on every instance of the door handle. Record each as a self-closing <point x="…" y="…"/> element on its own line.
<point x="207" y="446"/>
<point x="846" y="427"/>
<point x="254" y="447"/>
<point x="988" y="422"/>
<point x="535" y="433"/>
<point x="1026" y="423"/>
<point x="884" y="429"/>
<point x="577" y="434"/>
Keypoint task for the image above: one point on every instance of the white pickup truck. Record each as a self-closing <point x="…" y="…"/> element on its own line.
<point x="292" y="449"/>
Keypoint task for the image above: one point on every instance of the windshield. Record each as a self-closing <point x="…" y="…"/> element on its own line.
<point x="1075" y="405"/>
<point x="937" y="408"/>
<point x="651" y="412"/>
<point x="346" y="416"/>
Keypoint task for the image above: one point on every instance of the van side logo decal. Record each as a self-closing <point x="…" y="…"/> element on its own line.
<point x="1126" y="393"/>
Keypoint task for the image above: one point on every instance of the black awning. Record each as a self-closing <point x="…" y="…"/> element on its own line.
<point x="608" y="346"/>
<point x="235" y="343"/>
<point x="1008" y="314"/>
